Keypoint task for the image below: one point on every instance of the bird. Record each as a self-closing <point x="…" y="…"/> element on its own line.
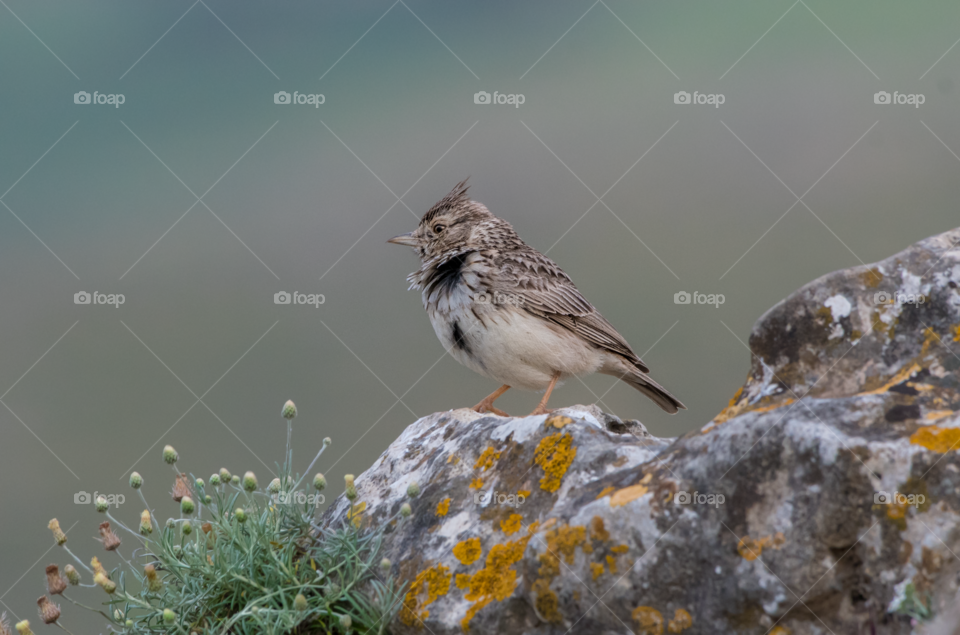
<point x="510" y="313"/>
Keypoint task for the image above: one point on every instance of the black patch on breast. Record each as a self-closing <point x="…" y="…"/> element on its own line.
<point x="458" y="338"/>
<point x="446" y="277"/>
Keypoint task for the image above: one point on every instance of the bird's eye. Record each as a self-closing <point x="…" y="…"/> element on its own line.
<point x="438" y="228"/>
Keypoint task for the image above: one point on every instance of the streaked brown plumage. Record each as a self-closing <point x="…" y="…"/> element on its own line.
<point x="505" y="310"/>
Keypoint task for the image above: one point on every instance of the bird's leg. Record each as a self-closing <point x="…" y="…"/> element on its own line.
<point x="487" y="404"/>
<point x="541" y="408"/>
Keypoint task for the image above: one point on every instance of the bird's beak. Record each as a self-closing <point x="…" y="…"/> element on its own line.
<point x="407" y="239"/>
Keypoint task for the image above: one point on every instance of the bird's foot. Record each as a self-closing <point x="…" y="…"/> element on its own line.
<point x="540" y="410"/>
<point x="487" y="406"/>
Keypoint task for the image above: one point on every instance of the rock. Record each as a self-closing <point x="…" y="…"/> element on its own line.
<point x="825" y="498"/>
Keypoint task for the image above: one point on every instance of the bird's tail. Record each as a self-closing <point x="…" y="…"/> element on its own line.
<point x="660" y="395"/>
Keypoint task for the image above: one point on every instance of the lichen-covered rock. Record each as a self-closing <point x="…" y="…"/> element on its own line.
<point x="824" y="499"/>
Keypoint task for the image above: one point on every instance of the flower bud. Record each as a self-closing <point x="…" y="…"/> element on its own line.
<point x="170" y="455"/>
<point x="169" y="617"/>
<point x="224" y="475"/>
<point x="413" y="490"/>
<point x="186" y="505"/>
<point x="146" y="526"/>
<point x="128" y="623"/>
<point x="154" y="585"/>
<point x="55" y="582"/>
<point x="117" y="615"/>
<point x="109" y="539"/>
<point x="348" y="480"/>
<point x="327" y="441"/>
<point x="187" y="528"/>
<point x="215" y="480"/>
<point x="319" y="482"/>
<point x="207" y="499"/>
<point x="73" y="577"/>
<point x="101" y="504"/>
<point x="332" y="591"/>
<point x="406" y="510"/>
<point x="345" y="622"/>
<point x="170" y="524"/>
<point x="58" y="535"/>
<point x="135" y="480"/>
<point x="300" y="602"/>
<point x="235" y="480"/>
<point x="250" y="481"/>
<point x="385" y="566"/>
<point x="105" y="583"/>
<point x="96" y="566"/>
<point x="274" y="486"/>
<point x="351" y="491"/>
<point x="199" y="483"/>
<point x="177" y="551"/>
<point x="240" y="515"/>
<point x="289" y="410"/>
<point x="181" y="487"/>
<point x="23" y="628"/>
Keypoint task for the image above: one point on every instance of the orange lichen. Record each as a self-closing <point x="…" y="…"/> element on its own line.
<point x="434" y="582"/>
<point x="623" y="496"/>
<point x="649" y="620"/>
<point x="561" y="542"/>
<point x="547" y="603"/>
<point x="596" y="569"/>
<point x="681" y="621"/>
<point x="936" y="415"/>
<point x="779" y="630"/>
<point x="612" y="563"/>
<point x="937" y="439"/>
<point x="462" y="580"/>
<point x="453" y="458"/>
<point x="597" y="529"/>
<point x="750" y="549"/>
<point x="467" y="551"/>
<point x="899" y="378"/>
<point x="443" y="507"/>
<point x="554" y="454"/>
<point x="956" y="333"/>
<point x="606" y="490"/>
<point x="620" y="549"/>
<point x="557" y="421"/>
<point x="496" y="580"/>
<point x="486" y="459"/>
<point x="512" y="524"/>
<point x="476" y="483"/>
<point x="523" y="492"/>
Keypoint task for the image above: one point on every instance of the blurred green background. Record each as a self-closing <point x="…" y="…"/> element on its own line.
<point x="96" y="198"/>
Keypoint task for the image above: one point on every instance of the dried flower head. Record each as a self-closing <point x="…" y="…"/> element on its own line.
<point x="146" y="526"/>
<point x="109" y="539"/>
<point x="58" y="535"/>
<point x="73" y="577"/>
<point x="24" y="628"/>
<point x="153" y="580"/>
<point x="55" y="582"/>
<point x="4" y="624"/>
<point x="49" y="612"/>
<point x="181" y="487"/>
<point x="96" y="566"/>
<point x="105" y="583"/>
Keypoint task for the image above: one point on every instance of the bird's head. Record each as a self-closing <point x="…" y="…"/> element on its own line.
<point x="447" y="227"/>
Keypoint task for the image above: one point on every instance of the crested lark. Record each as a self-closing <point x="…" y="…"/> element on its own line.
<point x="508" y="312"/>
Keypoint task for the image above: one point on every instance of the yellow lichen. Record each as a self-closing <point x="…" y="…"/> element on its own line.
<point x="462" y="580"/>
<point x="523" y="492"/>
<point x="750" y="549"/>
<point x="937" y="439"/>
<point x="623" y="496"/>
<point x="620" y="549"/>
<point x="355" y="512"/>
<point x="512" y="524"/>
<point x="899" y="378"/>
<point x="956" y="333"/>
<point x="434" y="582"/>
<point x="554" y="454"/>
<point x="486" y="459"/>
<point x="612" y="563"/>
<point x="547" y="603"/>
<point x="476" y="483"/>
<point x="561" y="542"/>
<point x="597" y="529"/>
<point x="681" y="621"/>
<point x="649" y="620"/>
<point x="496" y="580"/>
<point x="779" y="630"/>
<point x="936" y="415"/>
<point x="467" y="551"/>
<point x="596" y="569"/>
<point x="557" y="421"/>
<point x="606" y="490"/>
<point x="443" y="507"/>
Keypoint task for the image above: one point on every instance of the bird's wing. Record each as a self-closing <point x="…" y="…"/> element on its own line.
<point x="546" y="291"/>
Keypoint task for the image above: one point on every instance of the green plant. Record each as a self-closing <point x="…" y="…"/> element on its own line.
<point x="240" y="559"/>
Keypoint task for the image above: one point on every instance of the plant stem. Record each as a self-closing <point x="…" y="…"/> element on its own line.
<point x="67" y="549"/>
